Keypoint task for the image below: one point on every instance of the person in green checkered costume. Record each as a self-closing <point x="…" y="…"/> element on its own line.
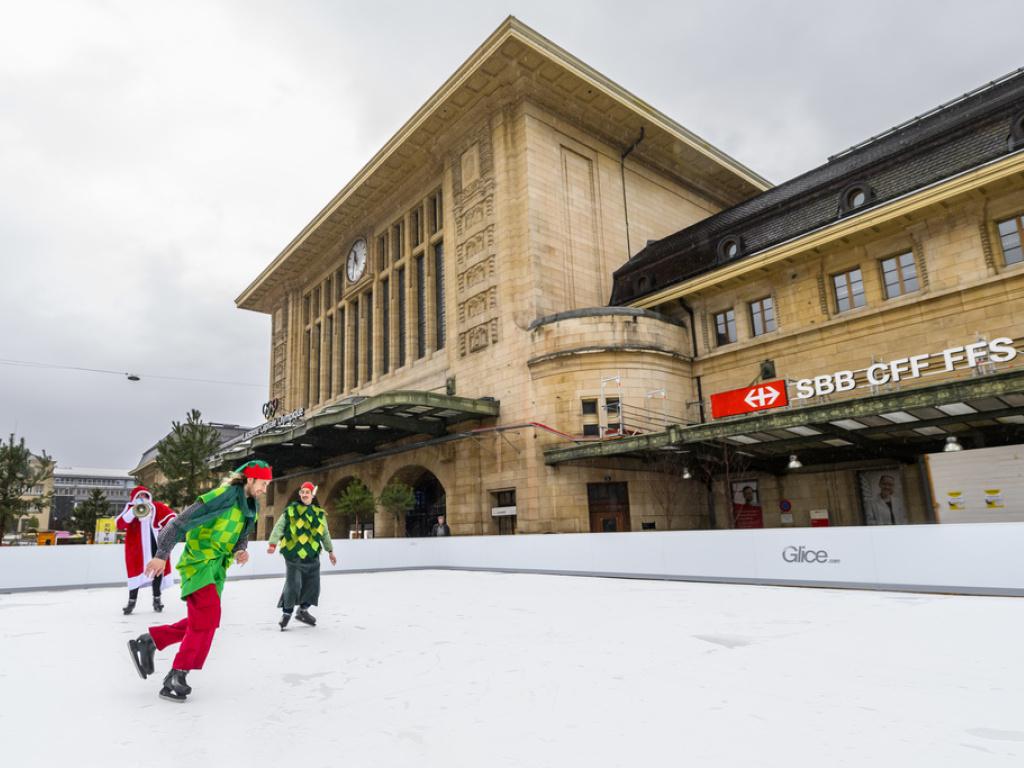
<point x="301" y="532"/>
<point x="216" y="532"/>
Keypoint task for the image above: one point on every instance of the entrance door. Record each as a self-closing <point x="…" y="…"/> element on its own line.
<point x="609" y="507"/>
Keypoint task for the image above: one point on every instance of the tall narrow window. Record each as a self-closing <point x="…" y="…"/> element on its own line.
<point x="435" y="212"/>
<point x="308" y="350"/>
<point x="341" y="349"/>
<point x="367" y="303"/>
<point x="355" y="341"/>
<point x="314" y="374"/>
<point x="1011" y="237"/>
<point x="762" y="316"/>
<point x="382" y="252"/>
<point x="899" y="275"/>
<point x="385" y="326"/>
<point x="401" y="317"/>
<point x="439" y="323"/>
<point x="421" y="308"/>
<point x="397" y="242"/>
<point x="849" y="290"/>
<point x="416" y="225"/>
<point x="725" y="327"/>
<point x="329" y="390"/>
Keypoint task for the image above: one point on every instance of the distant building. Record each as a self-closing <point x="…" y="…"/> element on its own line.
<point x="73" y="485"/>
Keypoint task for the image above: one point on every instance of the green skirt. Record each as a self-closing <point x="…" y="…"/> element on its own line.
<point x="301" y="584"/>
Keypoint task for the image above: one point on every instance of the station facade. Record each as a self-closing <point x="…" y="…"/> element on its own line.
<point x="445" y="319"/>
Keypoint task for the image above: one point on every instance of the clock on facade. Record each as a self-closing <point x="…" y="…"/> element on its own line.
<point x="356" y="264"/>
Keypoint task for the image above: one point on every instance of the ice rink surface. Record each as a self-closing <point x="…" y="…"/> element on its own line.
<point x="442" y="668"/>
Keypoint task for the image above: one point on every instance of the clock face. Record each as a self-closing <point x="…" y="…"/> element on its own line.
<point x="356" y="260"/>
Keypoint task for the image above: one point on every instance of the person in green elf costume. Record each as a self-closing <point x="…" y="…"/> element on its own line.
<point x="216" y="532"/>
<point x="301" y="532"/>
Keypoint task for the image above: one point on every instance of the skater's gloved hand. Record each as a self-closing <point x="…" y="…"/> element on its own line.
<point x="241" y="557"/>
<point x="271" y="548"/>
<point x="155" y="567"/>
<point x="334" y="560"/>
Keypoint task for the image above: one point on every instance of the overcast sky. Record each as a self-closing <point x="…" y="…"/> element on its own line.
<point x="154" y="157"/>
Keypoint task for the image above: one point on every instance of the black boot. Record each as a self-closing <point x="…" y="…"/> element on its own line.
<point x="305" y="617"/>
<point x="175" y="687"/>
<point x="285" y="618"/>
<point x="130" y="607"/>
<point x="158" y="606"/>
<point x="142" y="650"/>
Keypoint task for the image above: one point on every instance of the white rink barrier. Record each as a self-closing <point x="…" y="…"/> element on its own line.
<point x="967" y="559"/>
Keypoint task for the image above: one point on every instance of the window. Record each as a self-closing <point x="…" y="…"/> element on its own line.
<point x="439" y="323"/>
<point x="401" y="317"/>
<point x="729" y="247"/>
<point x="314" y="376"/>
<point x="341" y="349"/>
<point x="355" y="342"/>
<point x="725" y="327"/>
<point x="590" y="407"/>
<point x="899" y="275"/>
<point x="855" y="196"/>
<point x="436" y="212"/>
<point x="762" y="316"/>
<point x="503" y="498"/>
<point x="382" y="252"/>
<point x="1011" y="235"/>
<point x="329" y="390"/>
<point x="421" y="307"/>
<point x="591" y="430"/>
<point x="367" y="303"/>
<point x="385" y="326"/>
<point x="397" y="242"/>
<point x="849" y="290"/>
<point x="416" y="225"/>
<point x="614" y="420"/>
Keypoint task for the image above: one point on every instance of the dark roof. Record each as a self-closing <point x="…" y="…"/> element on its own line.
<point x="955" y="137"/>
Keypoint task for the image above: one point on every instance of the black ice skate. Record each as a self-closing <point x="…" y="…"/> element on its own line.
<point x="305" y="617"/>
<point x="175" y="687"/>
<point x="158" y="606"/>
<point x="142" y="650"/>
<point x="130" y="607"/>
<point x="285" y="618"/>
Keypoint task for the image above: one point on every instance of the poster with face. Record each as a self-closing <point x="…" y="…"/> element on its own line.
<point x="881" y="493"/>
<point x="746" y="505"/>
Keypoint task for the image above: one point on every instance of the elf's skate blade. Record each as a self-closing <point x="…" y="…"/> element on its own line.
<point x="136" y="661"/>
<point x="171" y="695"/>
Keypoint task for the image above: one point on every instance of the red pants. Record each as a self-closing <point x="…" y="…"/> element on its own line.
<point x="195" y="633"/>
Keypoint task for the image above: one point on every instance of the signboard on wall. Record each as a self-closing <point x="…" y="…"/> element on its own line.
<point x="760" y="397"/>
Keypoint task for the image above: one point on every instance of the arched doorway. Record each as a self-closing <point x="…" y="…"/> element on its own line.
<point x="339" y="524"/>
<point x="429" y="497"/>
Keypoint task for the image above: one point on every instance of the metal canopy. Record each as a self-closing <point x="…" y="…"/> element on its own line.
<point x="359" y="425"/>
<point x="988" y="410"/>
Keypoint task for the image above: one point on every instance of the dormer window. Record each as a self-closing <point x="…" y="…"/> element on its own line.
<point x="854" y="197"/>
<point x="1016" y="140"/>
<point x="729" y="247"/>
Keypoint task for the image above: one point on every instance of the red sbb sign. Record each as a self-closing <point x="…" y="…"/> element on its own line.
<point x="760" y="397"/>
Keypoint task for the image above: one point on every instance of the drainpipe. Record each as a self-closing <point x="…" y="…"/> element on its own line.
<point x="622" y="170"/>
<point x="693" y="337"/>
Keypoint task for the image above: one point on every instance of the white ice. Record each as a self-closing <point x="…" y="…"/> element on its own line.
<point x="441" y="668"/>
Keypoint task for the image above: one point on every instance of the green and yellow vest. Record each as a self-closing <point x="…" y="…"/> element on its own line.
<point x="304" y="532"/>
<point x="226" y="514"/>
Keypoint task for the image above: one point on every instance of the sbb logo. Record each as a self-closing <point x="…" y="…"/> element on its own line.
<point x="802" y="554"/>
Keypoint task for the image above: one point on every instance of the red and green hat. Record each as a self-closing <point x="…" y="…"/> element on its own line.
<point x="258" y="470"/>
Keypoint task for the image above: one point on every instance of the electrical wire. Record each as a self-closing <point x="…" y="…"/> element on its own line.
<point x="54" y="366"/>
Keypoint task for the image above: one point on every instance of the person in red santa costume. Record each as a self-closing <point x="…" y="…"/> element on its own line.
<point x="142" y="519"/>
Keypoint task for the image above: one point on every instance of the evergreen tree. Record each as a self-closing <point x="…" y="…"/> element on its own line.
<point x="397" y="498"/>
<point x="20" y="472"/>
<point x="85" y="514"/>
<point x="356" y="503"/>
<point x="182" y="457"/>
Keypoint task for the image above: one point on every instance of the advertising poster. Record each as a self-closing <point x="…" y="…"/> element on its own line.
<point x="882" y="496"/>
<point x="746" y="505"/>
